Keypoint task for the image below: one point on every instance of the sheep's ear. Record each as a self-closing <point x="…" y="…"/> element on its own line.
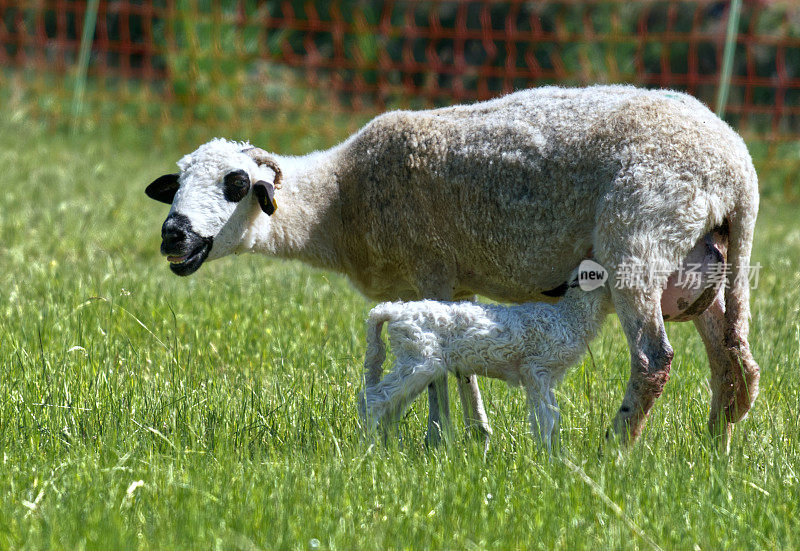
<point x="163" y="189"/>
<point x="265" y="194"/>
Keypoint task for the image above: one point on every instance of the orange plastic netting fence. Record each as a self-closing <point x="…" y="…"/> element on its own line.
<point x="255" y="62"/>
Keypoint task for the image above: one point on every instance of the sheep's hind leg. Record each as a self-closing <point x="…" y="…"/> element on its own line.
<point x="731" y="392"/>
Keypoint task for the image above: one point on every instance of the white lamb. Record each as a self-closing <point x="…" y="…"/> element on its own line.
<point x="531" y="344"/>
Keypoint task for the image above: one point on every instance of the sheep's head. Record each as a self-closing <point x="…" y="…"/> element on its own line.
<point x="219" y="190"/>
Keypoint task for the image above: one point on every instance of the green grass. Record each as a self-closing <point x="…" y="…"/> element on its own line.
<point x="231" y="396"/>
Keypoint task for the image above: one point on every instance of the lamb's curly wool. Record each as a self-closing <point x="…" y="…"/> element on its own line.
<point x="503" y="199"/>
<point x="530" y="344"/>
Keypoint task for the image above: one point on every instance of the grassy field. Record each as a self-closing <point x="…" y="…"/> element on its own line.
<point x="142" y="410"/>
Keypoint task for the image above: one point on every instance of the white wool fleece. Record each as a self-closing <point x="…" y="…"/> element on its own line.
<point x="530" y="344"/>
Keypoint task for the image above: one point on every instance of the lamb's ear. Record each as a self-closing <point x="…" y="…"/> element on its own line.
<point x="262" y="158"/>
<point x="163" y="189"/>
<point x="265" y="194"/>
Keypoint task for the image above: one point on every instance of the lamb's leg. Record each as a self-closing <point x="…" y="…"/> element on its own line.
<point x="639" y="313"/>
<point x="386" y="401"/>
<point x="542" y="411"/>
<point x="475" y="419"/>
<point x="556" y="430"/>
<point x="435" y="286"/>
<point x="730" y="399"/>
<point x="373" y="370"/>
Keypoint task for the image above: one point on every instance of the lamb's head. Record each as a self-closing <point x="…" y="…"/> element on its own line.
<point x="220" y="190"/>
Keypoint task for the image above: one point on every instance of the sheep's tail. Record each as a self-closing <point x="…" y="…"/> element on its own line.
<point x="376" y="349"/>
<point x="740" y="224"/>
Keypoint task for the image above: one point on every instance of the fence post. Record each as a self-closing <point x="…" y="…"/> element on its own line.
<point x="87" y="37"/>
<point x="727" y="56"/>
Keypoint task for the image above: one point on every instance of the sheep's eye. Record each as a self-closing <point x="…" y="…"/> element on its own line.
<point x="236" y="184"/>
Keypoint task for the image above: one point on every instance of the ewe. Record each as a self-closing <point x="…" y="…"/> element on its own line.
<point x="530" y="344"/>
<point x="503" y="199"/>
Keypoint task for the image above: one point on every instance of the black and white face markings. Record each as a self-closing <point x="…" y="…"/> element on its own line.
<point x="236" y="185"/>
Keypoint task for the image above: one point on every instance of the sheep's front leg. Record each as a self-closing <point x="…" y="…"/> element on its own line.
<point x="438" y="410"/>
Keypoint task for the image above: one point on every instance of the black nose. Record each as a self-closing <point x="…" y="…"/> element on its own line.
<point x="172" y="230"/>
<point x="174" y="233"/>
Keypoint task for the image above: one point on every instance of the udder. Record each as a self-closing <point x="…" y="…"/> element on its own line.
<point x="692" y="288"/>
